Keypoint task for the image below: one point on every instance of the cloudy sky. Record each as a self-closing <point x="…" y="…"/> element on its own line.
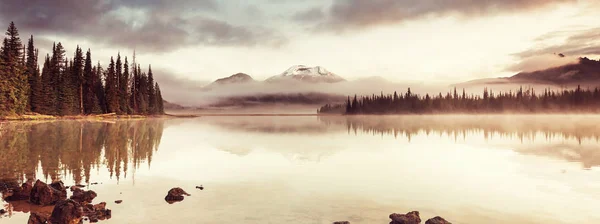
<point x="438" y="41"/>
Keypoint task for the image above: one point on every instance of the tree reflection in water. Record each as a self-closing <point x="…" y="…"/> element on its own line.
<point x="75" y="148"/>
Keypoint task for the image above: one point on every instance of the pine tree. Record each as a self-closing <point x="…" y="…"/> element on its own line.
<point x="91" y="104"/>
<point x="152" y="103"/>
<point x="47" y="94"/>
<point x="99" y="89"/>
<point x="118" y="77"/>
<point x="143" y="93"/>
<point x="33" y="75"/>
<point x="134" y="92"/>
<point x="111" y="89"/>
<point x="67" y="92"/>
<point x="160" y="103"/>
<point x="77" y="80"/>
<point x="15" y="85"/>
<point x="124" y="88"/>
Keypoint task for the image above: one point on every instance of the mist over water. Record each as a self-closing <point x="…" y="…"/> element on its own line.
<point x="309" y="169"/>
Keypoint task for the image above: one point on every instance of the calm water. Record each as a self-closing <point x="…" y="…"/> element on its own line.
<point x="467" y="169"/>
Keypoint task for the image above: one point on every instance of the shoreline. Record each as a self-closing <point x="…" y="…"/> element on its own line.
<point x="111" y="116"/>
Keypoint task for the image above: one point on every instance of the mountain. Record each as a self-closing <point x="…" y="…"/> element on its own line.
<point x="234" y="79"/>
<point x="307" y="74"/>
<point x="585" y="71"/>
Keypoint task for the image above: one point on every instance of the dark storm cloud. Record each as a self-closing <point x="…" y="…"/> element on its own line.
<point x="215" y="32"/>
<point x="577" y="43"/>
<point x="347" y="14"/>
<point x="150" y="25"/>
<point x="310" y="15"/>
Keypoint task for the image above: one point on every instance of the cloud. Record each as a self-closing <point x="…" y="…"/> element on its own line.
<point x="148" y="25"/>
<point x="356" y="14"/>
<point x="216" y="32"/>
<point x="310" y="15"/>
<point x="576" y="43"/>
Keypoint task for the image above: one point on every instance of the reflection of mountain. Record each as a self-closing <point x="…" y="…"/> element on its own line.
<point x="588" y="155"/>
<point x="270" y="124"/>
<point x="76" y="147"/>
<point x="579" y="128"/>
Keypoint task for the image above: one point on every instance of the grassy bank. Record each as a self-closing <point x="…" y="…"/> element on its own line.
<point x="112" y="116"/>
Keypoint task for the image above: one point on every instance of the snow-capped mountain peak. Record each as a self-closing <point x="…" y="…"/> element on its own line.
<point x="307" y="74"/>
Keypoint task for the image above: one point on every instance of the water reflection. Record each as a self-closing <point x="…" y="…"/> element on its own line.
<point x="469" y="169"/>
<point x="72" y="148"/>
<point x="573" y="138"/>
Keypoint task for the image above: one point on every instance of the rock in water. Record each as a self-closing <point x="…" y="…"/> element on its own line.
<point x="82" y="196"/>
<point x="409" y="218"/>
<point x="21" y="193"/>
<point x="35" y="218"/>
<point x="437" y="220"/>
<point x="97" y="212"/>
<point x="43" y="194"/>
<point x="67" y="212"/>
<point x="175" y="195"/>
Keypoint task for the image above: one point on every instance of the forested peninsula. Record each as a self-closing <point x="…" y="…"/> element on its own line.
<point x="73" y="86"/>
<point x="526" y="101"/>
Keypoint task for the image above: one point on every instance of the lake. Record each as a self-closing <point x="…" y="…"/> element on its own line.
<point x="310" y="169"/>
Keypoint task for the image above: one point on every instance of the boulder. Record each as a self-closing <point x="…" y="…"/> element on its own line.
<point x="437" y="220"/>
<point x="35" y="218"/>
<point x="82" y="196"/>
<point x="97" y="212"/>
<point x="60" y="186"/>
<point x="43" y="194"/>
<point x="175" y="195"/>
<point x="20" y="193"/>
<point x="408" y="218"/>
<point x="67" y="212"/>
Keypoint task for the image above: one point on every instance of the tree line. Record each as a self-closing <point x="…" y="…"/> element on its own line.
<point x="520" y="101"/>
<point x="71" y="86"/>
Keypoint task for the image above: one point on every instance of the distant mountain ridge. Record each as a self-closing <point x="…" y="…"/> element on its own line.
<point x="585" y="71"/>
<point x="300" y="73"/>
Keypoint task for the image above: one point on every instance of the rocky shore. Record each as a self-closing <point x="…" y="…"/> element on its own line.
<point x="67" y="210"/>
<point x="79" y="206"/>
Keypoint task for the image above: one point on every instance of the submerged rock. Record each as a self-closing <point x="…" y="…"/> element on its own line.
<point x="67" y="212"/>
<point x="175" y="195"/>
<point x="43" y="194"/>
<point x="408" y="218"/>
<point x="97" y="212"/>
<point x="82" y="196"/>
<point x="437" y="220"/>
<point x="35" y="218"/>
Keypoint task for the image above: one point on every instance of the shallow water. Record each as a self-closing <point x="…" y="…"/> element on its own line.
<point x="467" y="169"/>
